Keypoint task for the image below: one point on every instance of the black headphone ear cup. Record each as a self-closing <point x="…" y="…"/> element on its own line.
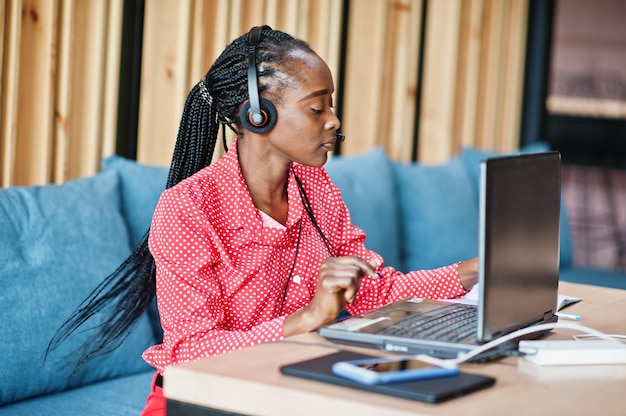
<point x="269" y="115"/>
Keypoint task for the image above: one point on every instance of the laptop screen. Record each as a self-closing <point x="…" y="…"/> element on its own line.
<point x="519" y="242"/>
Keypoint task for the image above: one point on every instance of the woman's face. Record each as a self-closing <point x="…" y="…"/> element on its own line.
<point x="306" y="124"/>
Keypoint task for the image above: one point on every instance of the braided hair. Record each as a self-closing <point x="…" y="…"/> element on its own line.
<point x="215" y="101"/>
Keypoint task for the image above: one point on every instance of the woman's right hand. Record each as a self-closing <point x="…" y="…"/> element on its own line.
<point x="337" y="284"/>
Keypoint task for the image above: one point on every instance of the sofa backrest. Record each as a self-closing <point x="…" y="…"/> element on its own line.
<point x="439" y="214"/>
<point x="57" y="243"/>
<point x="141" y="186"/>
<point x="368" y="188"/>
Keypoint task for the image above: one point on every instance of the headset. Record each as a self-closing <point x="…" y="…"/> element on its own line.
<point x="258" y="115"/>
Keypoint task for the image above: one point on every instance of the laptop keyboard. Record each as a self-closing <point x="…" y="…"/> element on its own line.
<point x="452" y="323"/>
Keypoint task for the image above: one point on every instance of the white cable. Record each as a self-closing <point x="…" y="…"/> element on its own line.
<point x="519" y="333"/>
<point x="591" y="336"/>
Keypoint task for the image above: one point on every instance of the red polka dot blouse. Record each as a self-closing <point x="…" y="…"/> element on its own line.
<point x="223" y="270"/>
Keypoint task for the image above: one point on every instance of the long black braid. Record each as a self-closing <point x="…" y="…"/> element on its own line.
<point x="128" y="292"/>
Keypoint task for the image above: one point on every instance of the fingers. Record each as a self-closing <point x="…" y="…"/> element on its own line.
<point x="341" y="275"/>
<point x="375" y="263"/>
<point x="353" y="265"/>
<point x="337" y="285"/>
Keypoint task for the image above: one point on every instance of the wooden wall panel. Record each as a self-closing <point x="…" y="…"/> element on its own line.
<point x="60" y="73"/>
<point x="473" y="76"/>
<point x="60" y="66"/>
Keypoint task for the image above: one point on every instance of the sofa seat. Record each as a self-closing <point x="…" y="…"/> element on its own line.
<point x="119" y="396"/>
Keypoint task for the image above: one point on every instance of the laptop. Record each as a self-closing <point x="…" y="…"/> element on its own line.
<point x="519" y="214"/>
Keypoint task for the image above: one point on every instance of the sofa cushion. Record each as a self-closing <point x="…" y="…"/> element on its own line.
<point x="439" y="214"/>
<point x="124" y="396"/>
<point x="472" y="158"/>
<point x="367" y="187"/>
<point x="141" y="186"/>
<point x="57" y="243"/>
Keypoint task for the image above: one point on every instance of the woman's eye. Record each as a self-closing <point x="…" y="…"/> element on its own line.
<point x="317" y="111"/>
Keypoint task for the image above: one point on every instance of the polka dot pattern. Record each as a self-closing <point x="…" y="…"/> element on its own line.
<point x="223" y="272"/>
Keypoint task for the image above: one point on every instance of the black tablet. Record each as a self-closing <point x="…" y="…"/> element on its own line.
<point x="431" y="391"/>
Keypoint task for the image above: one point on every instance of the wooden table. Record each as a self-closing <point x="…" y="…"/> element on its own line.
<point x="249" y="381"/>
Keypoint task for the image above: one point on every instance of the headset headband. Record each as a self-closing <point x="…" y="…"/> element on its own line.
<point x="253" y="89"/>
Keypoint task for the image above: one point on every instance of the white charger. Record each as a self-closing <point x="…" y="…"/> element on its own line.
<point x="572" y="352"/>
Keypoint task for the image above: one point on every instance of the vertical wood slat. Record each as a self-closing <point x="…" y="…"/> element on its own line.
<point x="63" y="97"/>
<point x="88" y="82"/>
<point x="400" y="82"/>
<point x="439" y="82"/>
<point x="517" y="22"/>
<point x="467" y="89"/>
<point x="305" y="7"/>
<point x="320" y="25"/>
<point x="286" y="18"/>
<point x="164" y="83"/>
<point x="501" y="76"/>
<point x="235" y="20"/>
<point x="9" y="80"/>
<point x="364" y="67"/>
<point x="251" y="15"/>
<point x="3" y="22"/>
<point x="211" y="24"/>
<point x="113" y="49"/>
<point x="35" y="89"/>
<point x="331" y="17"/>
<point x="490" y="75"/>
<point x="220" y="37"/>
<point x="209" y="35"/>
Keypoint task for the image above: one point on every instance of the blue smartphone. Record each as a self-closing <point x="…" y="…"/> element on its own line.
<point x="390" y="370"/>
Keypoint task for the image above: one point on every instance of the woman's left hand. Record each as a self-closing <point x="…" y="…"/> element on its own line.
<point x="468" y="273"/>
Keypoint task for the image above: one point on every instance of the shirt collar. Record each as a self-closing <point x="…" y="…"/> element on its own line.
<point x="246" y="212"/>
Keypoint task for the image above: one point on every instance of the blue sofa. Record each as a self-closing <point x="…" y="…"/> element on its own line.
<point x="57" y="242"/>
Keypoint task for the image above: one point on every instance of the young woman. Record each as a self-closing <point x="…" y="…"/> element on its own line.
<point x="259" y="245"/>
